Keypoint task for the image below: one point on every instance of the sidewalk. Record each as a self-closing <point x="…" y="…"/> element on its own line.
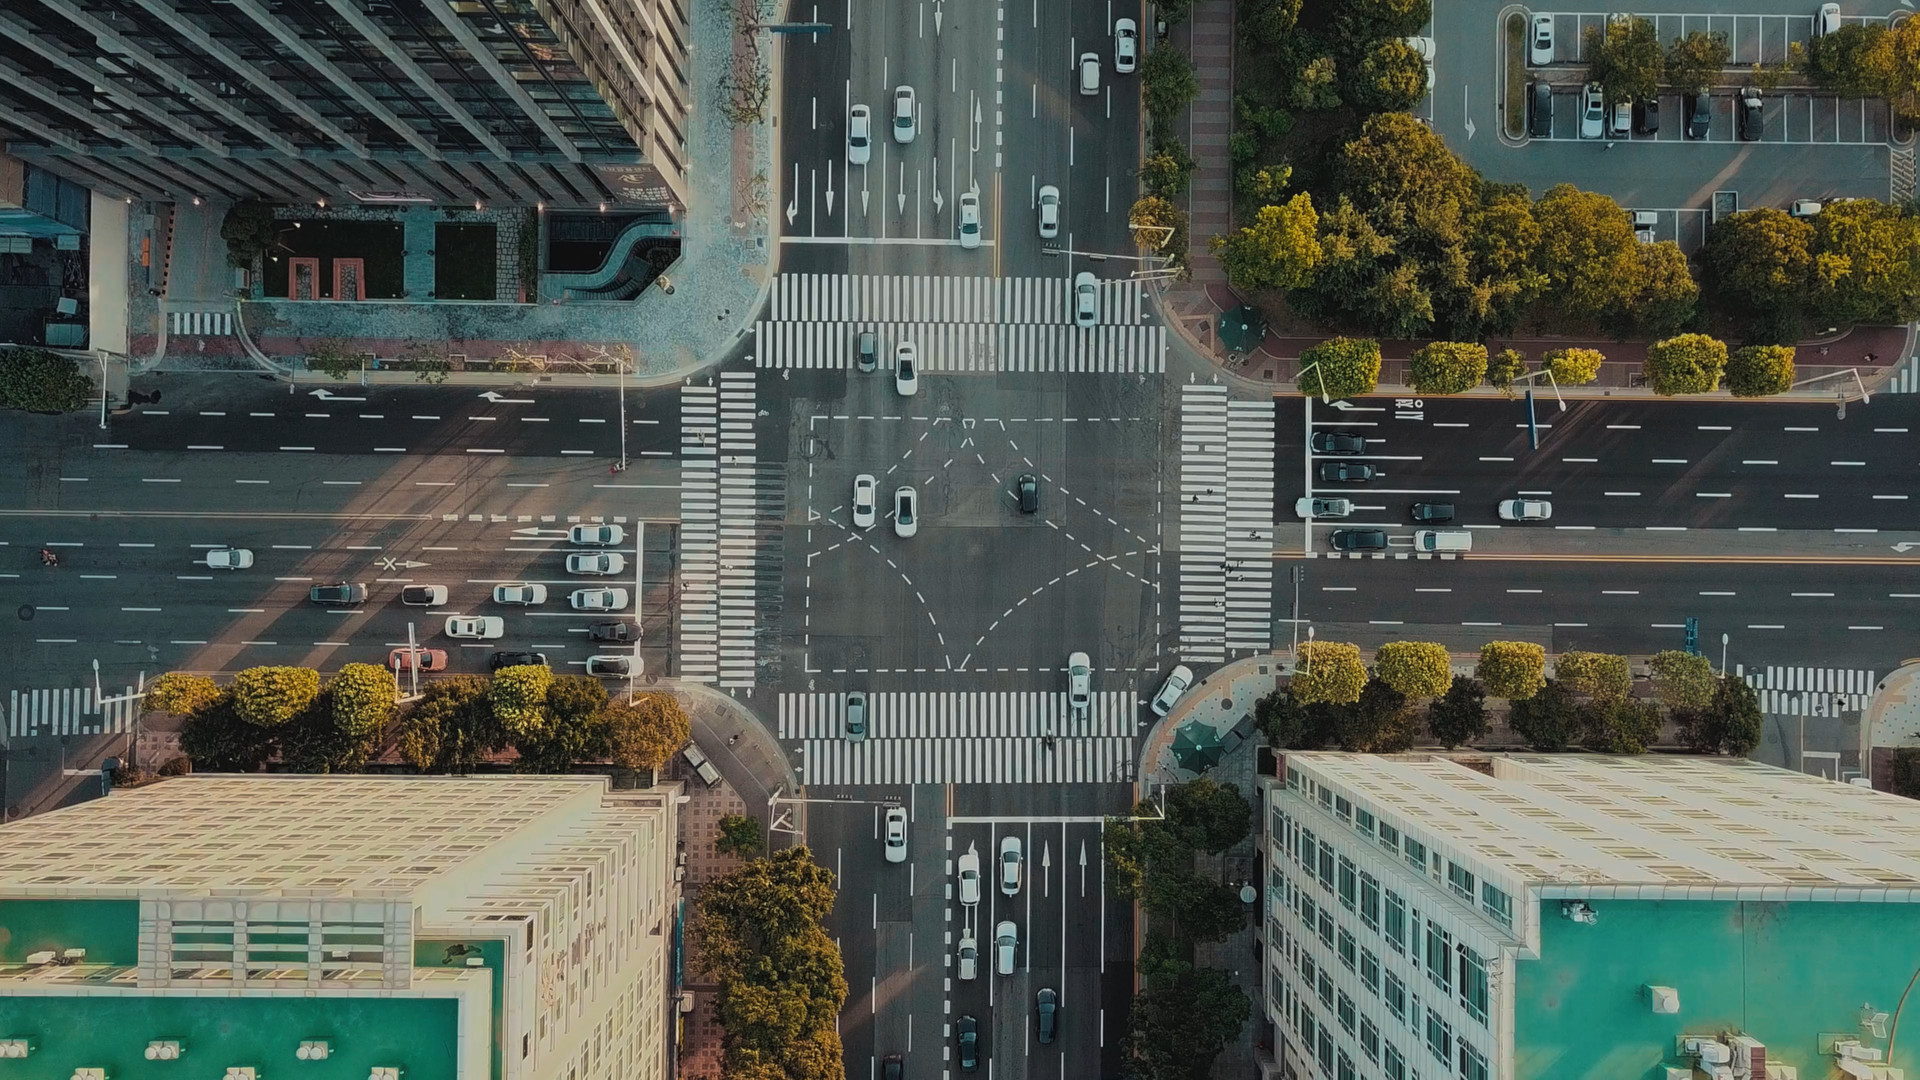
<point x="724" y="269"/>
<point x="1207" y="36"/>
<point x="1891" y="722"/>
<point x="742" y="748"/>
<point x="1220" y="699"/>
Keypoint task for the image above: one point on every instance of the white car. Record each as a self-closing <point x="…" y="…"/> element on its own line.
<point x="1010" y="866"/>
<point x="229" y="558"/>
<point x="1804" y="208"/>
<point x="969" y="953"/>
<point x="1049" y="211"/>
<point x="1827" y="20"/>
<point x="896" y="834"/>
<point x="1620" y="119"/>
<point x="520" y="592"/>
<point x="1089" y="74"/>
<point x="906" y="512"/>
<point x="596" y="562"/>
<point x="1525" y="510"/>
<point x="596" y="535"/>
<point x="1308" y="507"/>
<point x="970" y="876"/>
<point x="598" y="599"/>
<point x="866" y="498"/>
<point x="1006" y="941"/>
<point x="904" y="127"/>
<point x="1593" y="111"/>
<point x="1079" y="684"/>
<point x="612" y="665"/>
<point x="906" y="369"/>
<point x="1541" y="53"/>
<point x="969" y="218"/>
<point x="1086" y="299"/>
<point x="423" y="595"/>
<point x="476" y="627"/>
<point x="1423" y="47"/>
<point x="859" y="135"/>
<point x="1126" y="45"/>
<point x="1170" y="691"/>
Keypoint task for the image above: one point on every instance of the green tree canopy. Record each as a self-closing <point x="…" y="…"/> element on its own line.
<point x="1682" y="680"/>
<point x="646" y="730"/>
<point x="519" y="698"/>
<point x="1694" y="62"/>
<point x="1460" y="716"/>
<point x="361" y="698"/>
<point x="1512" y="669"/>
<point x="451" y="729"/>
<point x="1758" y="265"/>
<point x="1167" y="83"/>
<point x="1390" y="77"/>
<point x="1549" y="720"/>
<point x="181" y="693"/>
<point x="1381" y="722"/>
<point x="1211" y="816"/>
<point x="1328" y="671"/>
<point x="35" y="380"/>
<point x="1166" y="171"/>
<point x="1314" y="87"/>
<point x="1894" y="59"/>
<point x="1180" y="1022"/>
<point x="1503" y="241"/>
<point x="271" y="696"/>
<point x="1729" y="723"/>
<point x="1603" y="676"/>
<point x="1848" y="60"/>
<point x="1573" y="367"/>
<point x="1626" y="59"/>
<point x="1588" y="254"/>
<point x="1367" y="20"/>
<point x="248" y="230"/>
<point x="1505" y="366"/>
<point x="1620" y="725"/>
<point x="739" y="835"/>
<point x="1282" y="720"/>
<point x="1152" y="213"/>
<point x="1447" y="367"/>
<point x="1866" y="265"/>
<point x="217" y="739"/>
<point x="1346" y="367"/>
<point x="760" y="906"/>
<point x="1665" y="294"/>
<point x="1760" y="370"/>
<point x="1687" y="364"/>
<point x="1278" y="251"/>
<point x="1414" y="668"/>
<point x="576" y="697"/>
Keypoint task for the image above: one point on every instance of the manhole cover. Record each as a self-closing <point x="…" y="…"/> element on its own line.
<point x="1226" y="703"/>
<point x="26" y="612"/>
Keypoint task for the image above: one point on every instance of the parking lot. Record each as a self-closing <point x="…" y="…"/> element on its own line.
<point x="1755" y="39"/>
<point x="1790" y="117"/>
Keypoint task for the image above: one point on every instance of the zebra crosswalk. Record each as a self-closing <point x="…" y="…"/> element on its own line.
<point x="1906" y="378"/>
<point x="722" y="494"/>
<point x="1226" y="524"/>
<point x="965" y="738"/>
<point x="68" y="712"/>
<point x="1811" y="691"/>
<point x="200" y="323"/>
<point x="959" y="324"/>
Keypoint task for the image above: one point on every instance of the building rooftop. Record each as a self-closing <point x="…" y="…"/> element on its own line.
<point x="1582" y="819"/>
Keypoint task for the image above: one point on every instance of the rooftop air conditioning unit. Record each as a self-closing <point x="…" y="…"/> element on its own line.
<point x="1664" y="999"/>
<point x="312" y="1050"/>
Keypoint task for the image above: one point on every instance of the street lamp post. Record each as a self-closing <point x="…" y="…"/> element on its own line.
<point x="623" y="415"/>
<point x="1724" y="638"/>
<point x="103" y="401"/>
<point x="1324" y="399"/>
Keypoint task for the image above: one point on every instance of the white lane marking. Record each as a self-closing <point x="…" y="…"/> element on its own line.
<point x="1619" y="592"/>
<point x="1759" y="461"/>
<point x="1866" y="628"/>
<point x="1711" y="592"/>
<point x="296" y="448"/>
<point x="1580" y="460"/>
<point x="1433" y="590"/>
<point x="1622" y="494"/>
<point x="1801" y="429"/>
<point x="1800" y="496"/>
<point x="1669" y="461"/>
<point x="1765" y="626"/>
<point x="1846" y="463"/>
<point x="1889" y="496"/>
<point x="1891" y="430"/>
<point x="1523" y="590"/>
<point x="1758" y="528"/>
<point x="1713" y="494"/>
<point x="1623" y="427"/>
<point x="1715" y="427"/>
<point x="1485" y="458"/>
<point x="1812" y="594"/>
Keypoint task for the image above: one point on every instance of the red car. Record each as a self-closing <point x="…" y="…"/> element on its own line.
<point x="429" y="659"/>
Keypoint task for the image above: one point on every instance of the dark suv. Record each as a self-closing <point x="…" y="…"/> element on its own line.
<point x="1697" y="111"/>
<point x="516" y="659"/>
<point x="1028" y="489"/>
<point x="1047" y="1003"/>
<point x="968" y="1031"/>
<point x="1339" y="442"/>
<point x="342" y="593"/>
<point x="1358" y="539"/>
<point x="610" y="631"/>
<point x="1431" y="513"/>
<point x="1346" y="472"/>
<point x="1753" y="120"/>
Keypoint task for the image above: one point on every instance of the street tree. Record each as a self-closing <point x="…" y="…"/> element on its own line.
<point x="1760" y="370"/>
<point x="1414" y="668"/>
<point x="1729" y="723"/>
<point x="1505" y="366"/>
<point x="1848" y="61"/>
<point x="451" y="729"/>
<point x="1894" y="58"/>
<point x="1695" y="61"/>
<point x="271" y="696"/>
<point x="217" y="739"/>
<point x="1686" y="364"/>
<point x="1381" y="722"/>
<point x="646" y="730"/>
<point x="1588" y="255"/>
<point x="35" y="380"/>
<point x="576" y="696"/>
<point x="1282" y="719"/>
<point x="1369" y="20"/>
<point x="1166" y="171"/>
<point x="1211" y="816"/>
<point x="1447" y="367"/>
<point x="1866" y="266"/>
<point x="1620" y="725"/>
<point x="739" y="835"/>
<point x="249" y="230"/>
<point x="1158" y="224"/>
<point x="1314" y="87"/>
<point x="1460" y="716"/>
<point x="1625" y="58"/>
<point x="1665" y="296"/>
<point x="1279" y="250"/>
<point x="1340" y="367"/>
<point x="1512" y="669"/>
<point x="1574" y="366"/>
<point x="1682" y="680"/>
<point x="1549" y="720"/>
<point x="1167" y="83"/>
<point x="519" y="698"/>
<point x="1390" y="77"/>
<point x="1758" y="265"/>
<point x="1503" y="241"/>
<point x="1602" y="676"/>
<point x="360" y="698"/>
<point x="1180" y="1022"/>
<point x="762" y="904"/>
<point x="181" y="693"/>
<point x="1328" y="671"/>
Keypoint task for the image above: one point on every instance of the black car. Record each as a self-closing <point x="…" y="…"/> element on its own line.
<point x="1028" y="490"/>
<point x="516" y="659"/>
<point x="892" y="1067"/>
<point x="1432" y="513"/>
<point x="1753" y="122"/>
<point x="1339" y="442"/>
<point x="1540" y="109"/>
<point x="1697" y="111"/>
<point x="1346" y="472"/>
<point x="1646" y="116"/>
<point x="1358" y="539"/>
<point x="610" y="631"/>
<point x="342" y="593"/>
<point x="1047" y="1003"/>
<point x="968" y="1031"/>
<point x="868" y="350"/>
<point x="423" y="595"/>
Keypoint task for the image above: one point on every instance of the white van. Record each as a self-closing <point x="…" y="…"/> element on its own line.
<point x="1443" y="540"/>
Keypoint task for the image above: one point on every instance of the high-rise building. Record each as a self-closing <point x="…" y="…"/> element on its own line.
<point x="1579" y="917"/>
<point x="571" y="103"/>
<point x="336" y="927"/>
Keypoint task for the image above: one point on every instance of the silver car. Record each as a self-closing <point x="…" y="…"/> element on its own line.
<point x="860" y="135"/>
<point x="598" y="599"/>
<point x="596" y="535"/>
<point x="856" y="722"/>
<point x="1079" y="684"/>
<point x="1049" y="211"/>
<point x="969" y="220"/>
<point x="1086" y="299"/>
<point x="1541" y="53"/>
<point x="229" y="558"/>
<point x="1525" y="510"/>
<point x="520" y="592"/>
<point x="1593" y="112"/>
<point x="1006" y="941"/>
<point x="596" y="562"/>
<point x="1170" y="691"/>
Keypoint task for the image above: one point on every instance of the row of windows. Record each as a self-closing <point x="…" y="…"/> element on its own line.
<point x="1317" y="1040"/>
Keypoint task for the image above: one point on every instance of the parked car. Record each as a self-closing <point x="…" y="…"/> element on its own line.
<point x="1646" y="116"/>
<point x="423" y="595"/>
<point x="1086" y="299"/>
<point x="612" y="666"/>
<point x="866" y="351"/>
<point x="1645" y="222"/>
<point x="1358" y="539"/>
<point x="1010" y="865"/>
<point x="1079" y="685"/>
<point x="1525" y="510"/>
<point x="596" y="535"/>
<point x="596" y="562"/>
<point x="516" y="659"/>
<point x="1696" y="111"/>
<point x="967" y="1038"/>
<point x="1593" y="111"/>
<point x="1049" y="207"/>
<point x="1541" y="51"/>
<point x="476" y="627"/>
<point x="1753" y="120"/>
<point x="1027" y="490"/>
<point x="1539" y="109"/>
<point x="969" y="877"/>
<point x="969" y="956"/>
<point x="969" y="220"/>
<point x="1423" y="48"/>
<point x="1046" y="1005"/>
<point x="1322" y="508"/>
<point x="1089" y="73"/>
<point x="229" y="558"/>
<point x="598" y="599"/>
<point x="896" y="834"/>
<point x="1804" y="208"/>
<point x="1126" y="45"/>
<point x="1432" y="513"/>
<point x="906" y="372"/>
<point x="610" y="631"/>
<point x="893" y="1068"/>
<point x="520" y="592"/>
<point x="404" y="659"/>
<point x="866" y="496"/>
<point x="906" y="512"/>
<point x="1620" y="119"/>
<point x="1339" y="442"/>
<point x="855" y="723"/>
<point x="904" y="124"/>
<point x="1006" y="941"/>
<point x="1177" y="682"/>
<point x="1826" y="20"/>
<point x="859" y="135"/>
<point x="339" y="594"/>
<point x="1346" y="472"/>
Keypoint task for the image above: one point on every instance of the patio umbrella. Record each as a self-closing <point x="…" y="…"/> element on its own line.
<point x="1197" y="746"/>
<point x="1242" y="329"/>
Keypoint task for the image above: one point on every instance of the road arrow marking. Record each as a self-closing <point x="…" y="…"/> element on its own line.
<point x="535" y="532"/>
<point x="325" y="394"/>
<point x="1463" y="108"/>
<point x="1904" y="546"/>
<point x="829" y="187"/>
<point x="1348" y="407"/>
<point x="495" y="397"/>
<point x="936" y="17"/>
<point x="902" y="196"/>
<point x="1046" y="866"/>
<point x="389" y="563"/>
<point x="1083" y="868"/>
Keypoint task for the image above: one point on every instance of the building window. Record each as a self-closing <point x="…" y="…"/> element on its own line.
<point x="1345" y="1011"/>
<point x="1439" y="967"/>
<point x="1439" y="1038"/>
<point x="1460" y="879"/>
<point x="1308" y="969"/>
<point x="1369" y="1040"/>
<point x="1307" y="848"/>
<point x="1326" y="1049"/>
<point x="1395" y="1065"/>
<point x="1370" y="902"/>
<point x="1370" y="971"/>
<point x="1326" y="865"/>
<point x="1345" y="1071"/>
<point x="1496" y="903"/>
<point x="1416" y="854"/>
<point x="1473" y="1063"/>
<point x="1473" y="984"/>
<point x="1396" y="996"/>
<point x="1326" y="990"/>
<point x="1309" y="911"/>
<point x="1363" y="820"/>
<point x="1342" y="809"/>
<point x="1326" y="928"/>
<point x="1349" y="883"/>
<point x="1324" y="794"/>
<point x="1389" y="837"/>
<point x="1307" y="1026"/>
<point x="1396" y="922"/>
<point x="1347" y="949"/>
